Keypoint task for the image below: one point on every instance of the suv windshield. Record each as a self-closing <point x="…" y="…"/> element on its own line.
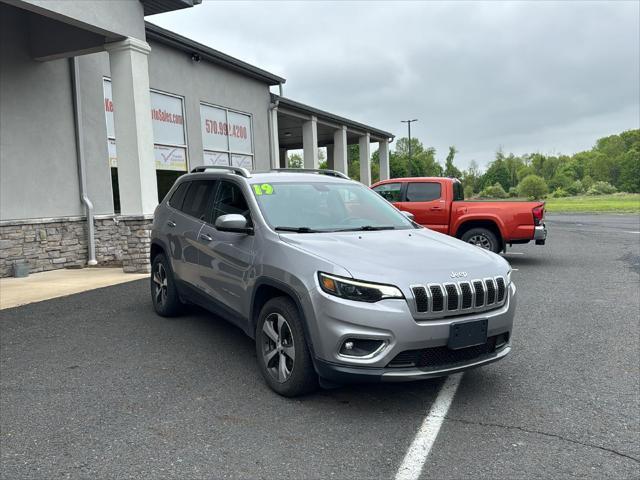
<point x="326" y="207"/>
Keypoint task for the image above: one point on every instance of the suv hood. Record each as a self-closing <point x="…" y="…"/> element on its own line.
<point x="401" y="257"/>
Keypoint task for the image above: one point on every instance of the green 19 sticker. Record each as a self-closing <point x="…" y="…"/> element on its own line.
<point x="264" y="189"/>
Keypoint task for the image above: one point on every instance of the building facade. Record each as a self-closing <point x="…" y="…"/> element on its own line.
<point x="100" y="112"/>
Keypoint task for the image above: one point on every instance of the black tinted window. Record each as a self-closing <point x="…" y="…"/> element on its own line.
<point x="177" y="198"/>
<point x="197" y="198"/>
<point x="458" y="192"/>
<point x="389" y="191"/>
<point x="423" y="192"/>
<point x="230" y="199"/>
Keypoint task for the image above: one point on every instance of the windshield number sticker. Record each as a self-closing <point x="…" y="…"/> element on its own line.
<point x="264" y="189"/>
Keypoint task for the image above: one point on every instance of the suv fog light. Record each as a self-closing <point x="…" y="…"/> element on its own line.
<point x="354" y="347"/>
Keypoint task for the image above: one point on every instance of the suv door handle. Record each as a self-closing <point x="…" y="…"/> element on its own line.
<point x="171" y="223"/>
<point x="206" y="237"/>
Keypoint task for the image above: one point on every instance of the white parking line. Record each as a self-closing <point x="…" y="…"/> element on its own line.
<point x="515" y="253"/>
<point x="425" y="438"/>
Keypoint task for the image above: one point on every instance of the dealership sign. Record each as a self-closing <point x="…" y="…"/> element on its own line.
<point x="226" y="137"/>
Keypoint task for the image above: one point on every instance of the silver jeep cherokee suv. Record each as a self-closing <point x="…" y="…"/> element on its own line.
<point x="334" y="283"/>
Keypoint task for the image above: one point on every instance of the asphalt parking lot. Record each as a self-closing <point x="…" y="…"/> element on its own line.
<point x="95" y="385"/>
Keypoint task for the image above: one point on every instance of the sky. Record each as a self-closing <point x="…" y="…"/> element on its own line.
<point x="548" y="77"/>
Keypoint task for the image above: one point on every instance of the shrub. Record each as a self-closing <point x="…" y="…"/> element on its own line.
<point x="587" y="181"/>
<point x="532" y="186"/>
<point x="468" y="191"/>
<point x="559" y="193"/>
<point x="575" y="188"/>
<point x="601" y="188"/>
<point x="493" y="191"/>
<point x="513" y="192"/>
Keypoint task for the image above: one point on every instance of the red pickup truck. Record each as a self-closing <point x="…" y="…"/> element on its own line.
<point x="438" y="203"/>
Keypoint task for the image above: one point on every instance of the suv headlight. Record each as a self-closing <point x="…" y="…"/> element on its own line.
<point x="357" y="290"/>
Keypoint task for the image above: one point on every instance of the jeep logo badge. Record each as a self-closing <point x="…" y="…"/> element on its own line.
<point x="458" y="274"/>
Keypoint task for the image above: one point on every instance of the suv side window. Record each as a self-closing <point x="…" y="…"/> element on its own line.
<point x="389" y="191"/>
<point x="197" y="198"/>
<point x="230" y="199"/>
<point x="423" y="191"/>
<point x="177" y="198"/>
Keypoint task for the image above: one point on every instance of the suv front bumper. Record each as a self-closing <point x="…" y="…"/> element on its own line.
<point x="391" y="321"/>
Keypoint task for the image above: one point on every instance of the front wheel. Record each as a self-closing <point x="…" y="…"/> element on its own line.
<point x="283" y="356"/>
<point x="483" y="238"/>
<point x="164" y="294"/>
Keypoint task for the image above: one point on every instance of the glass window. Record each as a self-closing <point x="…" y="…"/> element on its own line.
<point x="458" y="192"/>
<point x="326" y="207"/>
<point x="197" y="198"/>
<point x="423" y="191"/>
<point x="177" y="198"/>
<point x="226" y="137"/>
<point x="230" y="199"/>
<point x="389" y="191"/>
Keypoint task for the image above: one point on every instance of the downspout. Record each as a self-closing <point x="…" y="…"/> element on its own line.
<point x="82" y="177"/>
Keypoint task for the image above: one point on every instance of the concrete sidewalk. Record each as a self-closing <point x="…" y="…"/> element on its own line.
<point x="59" y="283"/>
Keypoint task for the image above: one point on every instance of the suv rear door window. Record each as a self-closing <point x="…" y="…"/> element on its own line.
<point x="389" y="191"/>
<point x="177" y="198"/>
<point x="198" y="198"/>
<point x="423" y="191"/>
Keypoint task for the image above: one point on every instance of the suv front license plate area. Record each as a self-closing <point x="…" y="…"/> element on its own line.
<point x="467" y="334"/>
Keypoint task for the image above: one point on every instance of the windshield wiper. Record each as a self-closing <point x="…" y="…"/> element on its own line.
<point x="297" y="229"/>
<point x="368" y="228"/>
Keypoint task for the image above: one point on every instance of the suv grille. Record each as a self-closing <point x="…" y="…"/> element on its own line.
<point x="452" y="299"/>
<point x="436" y="358"/>
<point x="437" y="297"/>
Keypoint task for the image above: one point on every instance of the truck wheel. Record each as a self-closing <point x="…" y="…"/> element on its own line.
<point x="283" y="356"/>
<point x="483" y="238"/>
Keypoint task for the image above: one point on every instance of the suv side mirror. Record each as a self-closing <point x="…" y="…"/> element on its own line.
<point x="233" y="222"/>
<point x="409" y="215"/>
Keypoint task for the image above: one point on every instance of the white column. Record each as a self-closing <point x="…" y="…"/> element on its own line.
<point x="284" y="158"/>
<point x="330" y="163"/>
<point x="310" y="143"/>
<point x="133" y="129"/>
<point x="340" y="150"/>
<point x="365" y="159"/>
<point x="275" y="142"/>
<point x="383" y="154"/>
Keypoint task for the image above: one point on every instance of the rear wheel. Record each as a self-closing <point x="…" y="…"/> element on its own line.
<point x="163" y="288"/>
<point x="283" y="356"/>
<point x="483" y="238"/>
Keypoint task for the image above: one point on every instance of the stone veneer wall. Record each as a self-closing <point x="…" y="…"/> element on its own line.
<point x="52" y="243"/>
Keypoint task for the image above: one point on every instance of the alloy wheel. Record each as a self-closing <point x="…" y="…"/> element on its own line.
<point x="160" y="281"/>
<point x="278" y="351"/>
<point x="481" y="241"/>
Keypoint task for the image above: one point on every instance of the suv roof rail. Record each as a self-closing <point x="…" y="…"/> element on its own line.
<point x="319" y="171"/>
<point x="243" y="172"/>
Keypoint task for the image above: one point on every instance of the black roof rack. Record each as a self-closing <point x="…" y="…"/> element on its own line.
<point x="319" y="171"/>
<point x="243" y="172"/>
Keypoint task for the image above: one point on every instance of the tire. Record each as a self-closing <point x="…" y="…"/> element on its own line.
<point x="283" y="355"/>
<point x="164" y="294"/>
<point x="483" y="238"/>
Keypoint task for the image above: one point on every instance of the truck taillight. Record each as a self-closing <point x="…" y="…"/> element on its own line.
<point x="538" y="215"/>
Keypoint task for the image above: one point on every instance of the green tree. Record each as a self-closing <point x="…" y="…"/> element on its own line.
<point x="630" y="171"/>
<point x="295" y="160"/>
<point x="450" y="169"/>
<point x="497" y="173"/>
<point x="532" y="186"/>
